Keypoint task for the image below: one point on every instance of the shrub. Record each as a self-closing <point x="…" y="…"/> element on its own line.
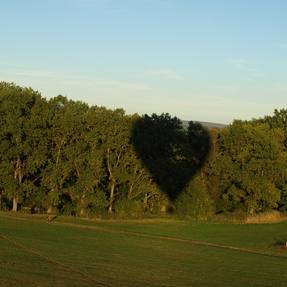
<point x="194" y="201"/>
<point x="128" y="208"/>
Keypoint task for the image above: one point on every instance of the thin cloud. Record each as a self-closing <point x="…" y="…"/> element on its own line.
<point x="239" y="64"/>
<point x="77" y="80"/>
<point x="37" y="73"/>
<point x="244" y="66"/>
<point x="164" y="73"/>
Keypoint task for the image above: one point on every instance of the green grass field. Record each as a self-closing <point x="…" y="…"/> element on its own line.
<point x="73" y="252"/>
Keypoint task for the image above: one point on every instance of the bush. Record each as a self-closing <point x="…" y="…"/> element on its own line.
<point x="283" y="198"/>
<point x="128" y="208"/>
<point x="194" y="201"/>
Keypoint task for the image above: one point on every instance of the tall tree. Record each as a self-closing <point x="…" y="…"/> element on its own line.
<point x="22" y="150"/>
<point x="61" y="128"/>
<point x="249" y="166"/>
<point x="83" y="152"/>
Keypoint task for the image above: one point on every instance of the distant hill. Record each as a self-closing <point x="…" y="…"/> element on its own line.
<point x="208" y="125"/>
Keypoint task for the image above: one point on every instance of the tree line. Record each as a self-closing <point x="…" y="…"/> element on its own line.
<point x="67" y="157"/>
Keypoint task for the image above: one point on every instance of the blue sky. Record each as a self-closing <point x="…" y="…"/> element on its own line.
<point x="208" y="60"/>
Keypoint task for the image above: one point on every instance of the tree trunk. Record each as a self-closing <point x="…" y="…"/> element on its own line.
<point x="15" y="204"/>
<point x="111" y="178"/>
<point x="50" y="209"/>
<point x="112" y="195"/>
<point x="145" y="203"/>
<point x="17" y="175"/>
<point x="82" y="204"/>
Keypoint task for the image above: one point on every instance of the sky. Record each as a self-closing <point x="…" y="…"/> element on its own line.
<point x="205" y="60"/>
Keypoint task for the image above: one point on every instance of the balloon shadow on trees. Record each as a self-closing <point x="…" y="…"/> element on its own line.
<point x="173" y="154"/>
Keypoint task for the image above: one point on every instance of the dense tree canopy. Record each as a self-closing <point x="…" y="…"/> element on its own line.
<point x="64" y="156"/>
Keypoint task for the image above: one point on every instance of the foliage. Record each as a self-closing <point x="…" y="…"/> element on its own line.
<point x="250" y="166"/>
<point x="195" y="201"/>
<point x="63" y="156"/>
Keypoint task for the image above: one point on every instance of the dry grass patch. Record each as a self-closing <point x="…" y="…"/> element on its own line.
<point x="267" y="217"/>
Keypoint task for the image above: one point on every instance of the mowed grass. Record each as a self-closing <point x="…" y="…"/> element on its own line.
<point x="73" y="252"/>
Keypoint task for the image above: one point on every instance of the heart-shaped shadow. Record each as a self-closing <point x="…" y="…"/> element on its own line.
<point x="173" y="154"/>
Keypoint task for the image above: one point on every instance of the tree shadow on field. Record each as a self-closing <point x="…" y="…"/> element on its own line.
<point x="172" y="154"/>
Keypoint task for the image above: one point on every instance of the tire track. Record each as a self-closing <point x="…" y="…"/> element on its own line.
<point x="176" y="239"/>
<point x="85" y="277"/>
<point x="164" y="238"/>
